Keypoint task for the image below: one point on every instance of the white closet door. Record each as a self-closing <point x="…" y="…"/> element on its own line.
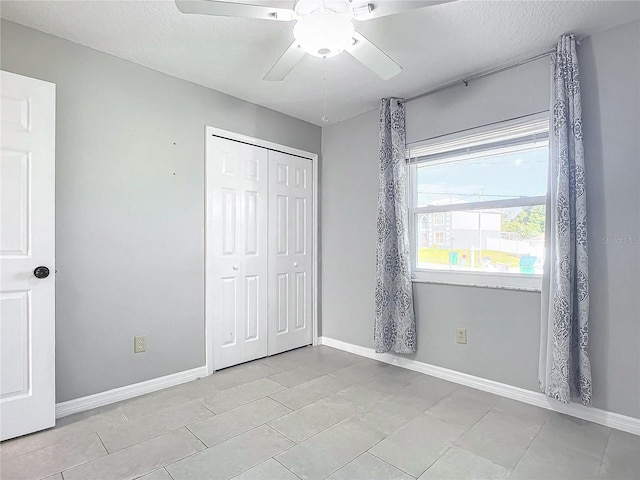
<point x="290" y="254"/>
<point x="236" y="255"/>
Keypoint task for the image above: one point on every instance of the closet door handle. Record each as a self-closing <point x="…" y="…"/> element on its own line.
<point x="41" y="272"/>
<point x="295" y="264"/>
<point x="235" y="267"/>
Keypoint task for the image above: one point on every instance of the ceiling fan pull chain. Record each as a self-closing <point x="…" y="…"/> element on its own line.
<point x="324" y="118"/>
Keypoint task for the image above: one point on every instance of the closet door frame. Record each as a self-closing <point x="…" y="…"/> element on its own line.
<point x="210" y="229"/>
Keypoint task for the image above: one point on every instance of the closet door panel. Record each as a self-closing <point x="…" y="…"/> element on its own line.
<point x="290" y="252"/>
<point x="237" y="253"/>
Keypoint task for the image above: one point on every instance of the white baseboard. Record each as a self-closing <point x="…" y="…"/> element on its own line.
<point x="602" y="417"/>
<point x="129" y="391"/>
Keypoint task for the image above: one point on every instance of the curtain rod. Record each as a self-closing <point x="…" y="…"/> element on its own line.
<point x="475" y="76"/>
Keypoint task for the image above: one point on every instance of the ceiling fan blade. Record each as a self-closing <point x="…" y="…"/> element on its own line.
<point x="373" y="58"/>
<point x="232" y="9"/>
<point x="365" y="10"/>
<point x="285" y="63"/>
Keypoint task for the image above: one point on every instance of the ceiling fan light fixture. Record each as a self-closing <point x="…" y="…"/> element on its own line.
<point x="324" y="33"/>
<point x="363" y="11"/>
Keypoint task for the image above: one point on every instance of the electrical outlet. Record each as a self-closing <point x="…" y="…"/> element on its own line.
<point x="140" y="344"/>
<point x="461" y="335"/>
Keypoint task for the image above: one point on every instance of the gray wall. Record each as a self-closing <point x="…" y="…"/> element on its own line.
<point x="503" y="325"/>
<point x="130" y="207"/>
<point x="610" y="70"/>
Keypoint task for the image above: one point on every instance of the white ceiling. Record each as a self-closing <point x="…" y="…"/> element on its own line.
<point x="434" y="45"/>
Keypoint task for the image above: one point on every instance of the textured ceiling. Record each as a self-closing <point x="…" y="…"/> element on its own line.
<point x="434" y="45"/>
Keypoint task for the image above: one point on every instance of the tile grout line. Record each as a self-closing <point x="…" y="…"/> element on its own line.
<point x="479" y="420"/>
<point x="493" y="462"/>
<point x="283" y="465"/>
<point x="161" y="410"/>
<point x="194" y="434"/>
<point x="245" y="404"/>
<point x="434" y="462"/>
<point x="158" y="435"/>
<point x="286" y="449"/>
<point x="78" y="464"/>
<point x="362" y="453"/>
<point x="604" y="453"/>
<point x="451" y="444"/>
<point x="529" y="446"/>
<point x="395" y="466"/>
<point x="205" y="406"/>
<point x="511" y="469"/>
<point x="57" y="442"/>
<point x="186" y="456"/>
<point x="530" y="443"/>
<point x="455" y="424"/>
<point x="348" y="462"/>
<point x="383" y="460"/>
<point x="284" y="435"/>
<point x="103" y="445"/>
<point x="285" y="406"/>
<point x="246" y="431"/>
<point x="314" y="401"/>
<point x="317" y="433"/>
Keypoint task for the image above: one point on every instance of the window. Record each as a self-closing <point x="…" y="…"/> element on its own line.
<point x="485" y="195"/>
<point x="424" y="229"/>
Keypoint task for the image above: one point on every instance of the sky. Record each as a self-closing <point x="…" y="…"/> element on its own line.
<point x="495" y="177"/>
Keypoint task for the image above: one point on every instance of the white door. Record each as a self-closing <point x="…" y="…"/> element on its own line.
<point x="290" y="252"/>
<point x="27" y="303"/>
<point x="236" y="250"/>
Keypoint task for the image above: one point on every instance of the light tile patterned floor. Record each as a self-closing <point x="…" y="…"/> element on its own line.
<point x="316" y="413"/>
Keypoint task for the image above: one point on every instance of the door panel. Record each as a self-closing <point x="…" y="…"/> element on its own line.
<point x="282" y="224"/>
<point x="301" y="226"/>
<point x="229" y="226"/>
<point x="301" y="300"/>
<point x="251" y="230"/>
<point x="282" y="298"/>
<point x="14" y="192"/>
<point x="15" y="344"/>
<point x="290" y="251"/>
<point x="236" y="251"/>
<point x="229" y="317"/>
<point x="253" y="301"/>
<point x="27" y="240"/>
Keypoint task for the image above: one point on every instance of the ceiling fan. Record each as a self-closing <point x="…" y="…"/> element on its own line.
<point x="324" y="28"/>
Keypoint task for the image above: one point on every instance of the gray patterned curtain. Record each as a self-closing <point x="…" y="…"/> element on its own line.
<point x="395" y="325"/>
<point x="565" y="371"/>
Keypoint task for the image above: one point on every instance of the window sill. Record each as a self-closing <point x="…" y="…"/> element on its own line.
<point x="522" y="283"/>
<point x="477" y="285"/>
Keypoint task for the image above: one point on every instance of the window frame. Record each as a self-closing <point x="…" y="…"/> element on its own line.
<point x="515" y="133"/>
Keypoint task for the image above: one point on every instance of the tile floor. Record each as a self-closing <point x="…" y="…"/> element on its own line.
<point x="318" y="413"/>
